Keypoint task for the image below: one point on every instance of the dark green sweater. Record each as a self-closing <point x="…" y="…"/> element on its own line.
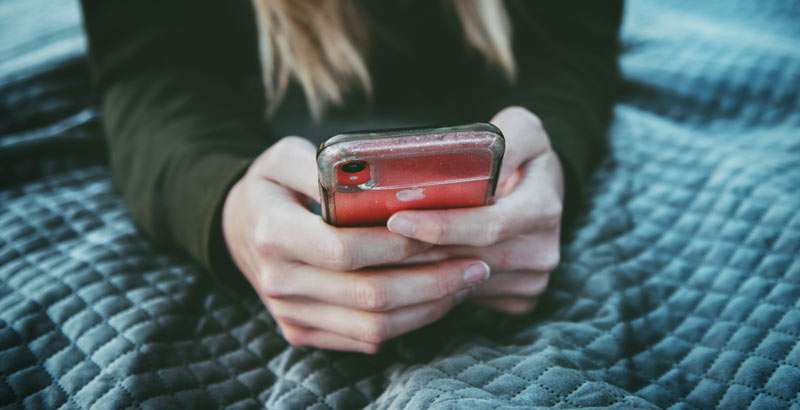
<point x="183" y="105"/>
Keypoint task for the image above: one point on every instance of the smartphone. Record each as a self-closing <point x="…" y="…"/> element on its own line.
<point x="365" y="177"/>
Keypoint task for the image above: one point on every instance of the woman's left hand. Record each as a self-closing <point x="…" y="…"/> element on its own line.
<point x="518" y="235"/>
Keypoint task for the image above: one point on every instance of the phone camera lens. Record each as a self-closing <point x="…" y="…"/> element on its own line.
<point x="354" y="167"/>
<point x="353" y="173"/>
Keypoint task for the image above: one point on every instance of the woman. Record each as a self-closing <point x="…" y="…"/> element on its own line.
<point x="185" y="87"/>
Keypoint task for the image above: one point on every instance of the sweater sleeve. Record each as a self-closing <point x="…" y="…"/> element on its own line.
<point x="567" y="55"/>
<point x="179" y="134"/>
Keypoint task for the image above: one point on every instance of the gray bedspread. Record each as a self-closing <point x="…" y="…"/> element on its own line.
<point x="679" y="289"/>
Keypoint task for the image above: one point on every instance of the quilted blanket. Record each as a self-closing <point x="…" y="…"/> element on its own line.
<point x="680" y="287"/>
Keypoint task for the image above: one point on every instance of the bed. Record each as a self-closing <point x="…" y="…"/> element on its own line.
<point x="679" y="286"/>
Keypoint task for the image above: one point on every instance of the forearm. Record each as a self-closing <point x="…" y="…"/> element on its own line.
<point x="178" y="140"/>
<point x="179" y="133"/>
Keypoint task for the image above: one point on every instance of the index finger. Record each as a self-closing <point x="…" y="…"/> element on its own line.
<point x="303" y="236"/>
<point x="376" y="289"/>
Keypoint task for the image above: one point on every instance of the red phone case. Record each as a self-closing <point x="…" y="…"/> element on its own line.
<point x="365" y="177"/>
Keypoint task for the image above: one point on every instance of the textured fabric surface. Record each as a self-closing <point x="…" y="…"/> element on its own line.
<point x="680" y="288"/>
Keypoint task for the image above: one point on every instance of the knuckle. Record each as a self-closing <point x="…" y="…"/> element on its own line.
<point x="293" y="140"/>
<point x="339" y="255"/>
<point x="534" y="119"/>
<point x="372" y="296"/>
<point x="376" y="329"/>
<point x="372" y="348"/>
<point x="531" y="290"/>
<point x="534" y="286"/>
<point x="444" y="285"/>
<point x="438" y="232"/>
<point x="530" y="263"/>
<point x="545" y="282"/>
<point x="285" y="147"/>
<point x="269" y="157"/>
<point x="549" y="260"/>
<point x="264" y="240"/>
<point x="515" y="110"/>
<point x="550" y="214"/>
<point x="520" y="307"/>
<point x="271" y="282"/>
<point x="296" y="337"/>
<point x="531" y="118"/>
<point x="279" y="146"/>
<point x="439" y="310"/>
<point x="543" y="262"/>
<point x="511" y="259"/>
<point x="408" y="248"/>
<point x="523" y="260"/>
<point x="491" y="235"/>
<point x="545" y="211"/>
<point x="289" y="143"/>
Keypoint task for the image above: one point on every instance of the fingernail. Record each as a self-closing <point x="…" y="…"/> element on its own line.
<point x="401" y="225"/>
<point x="475" y="273"/>
<point x="460" y="296"/>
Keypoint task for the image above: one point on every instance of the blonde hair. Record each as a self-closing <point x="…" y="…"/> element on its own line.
<point x="319" y="43"/>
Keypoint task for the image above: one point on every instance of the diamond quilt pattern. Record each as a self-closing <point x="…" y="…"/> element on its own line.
<point x="680" y="287"/>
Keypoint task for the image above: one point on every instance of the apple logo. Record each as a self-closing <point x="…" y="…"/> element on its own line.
<point x="407" y="195"/>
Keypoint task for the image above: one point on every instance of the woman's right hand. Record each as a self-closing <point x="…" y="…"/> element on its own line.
<point x="321" y="283"/>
